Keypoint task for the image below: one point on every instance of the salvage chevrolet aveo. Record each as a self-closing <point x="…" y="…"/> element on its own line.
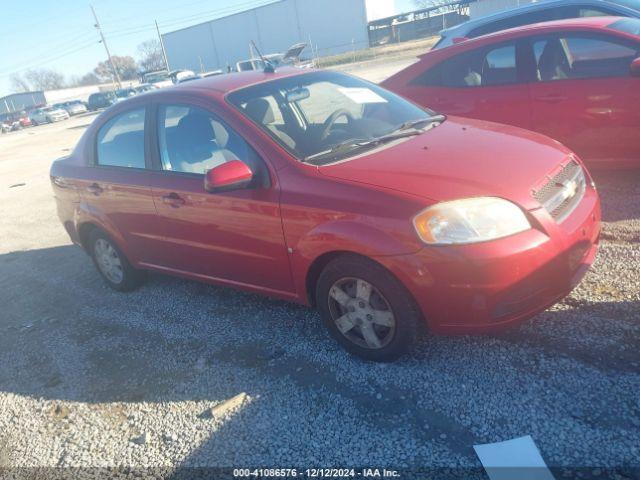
<point x="326" y="190"/>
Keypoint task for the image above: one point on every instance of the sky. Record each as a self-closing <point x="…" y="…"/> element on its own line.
<point x="60" y="34"/>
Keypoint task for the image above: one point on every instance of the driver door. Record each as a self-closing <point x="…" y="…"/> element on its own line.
<point x="233" y="236"/>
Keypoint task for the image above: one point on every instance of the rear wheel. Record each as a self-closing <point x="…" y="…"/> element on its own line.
<point x="366" y="309"/>
<point x="111" y="263"/>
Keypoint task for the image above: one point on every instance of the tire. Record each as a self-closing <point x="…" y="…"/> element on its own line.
<point x="121" y="276"/>
<point x="390" y="311"/>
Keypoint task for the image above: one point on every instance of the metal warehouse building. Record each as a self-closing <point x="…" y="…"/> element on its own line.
<point x="332" y="26"/>
<point x="481" y="8"/>
<point x="17" y="102"/>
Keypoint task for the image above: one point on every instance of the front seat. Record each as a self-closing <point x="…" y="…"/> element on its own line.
<point x="553" y="63"/>
<point x="196" y="149"/>
<point x="259" y="110"/>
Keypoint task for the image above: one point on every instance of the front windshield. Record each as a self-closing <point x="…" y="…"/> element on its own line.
<point x="326" y="116"/>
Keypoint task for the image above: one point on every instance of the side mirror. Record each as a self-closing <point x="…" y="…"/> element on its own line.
<point x="230" y="175"/>
<point x="635" y="67"/>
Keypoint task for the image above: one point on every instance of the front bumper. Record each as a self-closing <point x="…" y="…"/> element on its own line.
<point x="487" y="286"/>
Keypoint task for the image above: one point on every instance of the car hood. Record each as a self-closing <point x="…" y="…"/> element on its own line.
<point x="460" y="158"/>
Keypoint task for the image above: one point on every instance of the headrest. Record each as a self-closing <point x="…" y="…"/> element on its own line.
<point x="260" y="111"/>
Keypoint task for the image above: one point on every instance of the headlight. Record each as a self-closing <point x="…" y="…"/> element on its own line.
<point x="470" y="220"/>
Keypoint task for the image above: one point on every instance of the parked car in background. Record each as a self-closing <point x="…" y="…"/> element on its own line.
<point x="211" y="73"/>
<point x="144" y="87"/>
<point x="101" y="100"/>
<point x="330" y="191"/>
<point x="48" y="115"/>
<point x="538" y="12"/>
<point x="75" y="107"/>
<point x="158" y="78"/>
<point x="577" y="81"/>
<point x="188" y="78"/>
<point x="290" y="57"/>
<point x="177" y="75"/>
<point x="124" y="93"/>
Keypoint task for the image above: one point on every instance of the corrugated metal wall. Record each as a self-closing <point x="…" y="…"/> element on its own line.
<point x="19" y="101"/>
<point x="485" y="7"/>
<point x="334" y="26"/>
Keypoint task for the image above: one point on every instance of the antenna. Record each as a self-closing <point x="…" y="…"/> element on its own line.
<point x="268" y="66"/>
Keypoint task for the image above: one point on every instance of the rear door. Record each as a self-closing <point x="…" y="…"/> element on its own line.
<point x="484" y="83"/>
<point x="117" y="188"/>
<point x="233" y="236"/>
<point x="584" y="96"/>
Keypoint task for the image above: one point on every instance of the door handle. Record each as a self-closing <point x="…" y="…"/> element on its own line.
<point x="552" y="98"/>
<point x="95" y="189"/>
<point x="173" y="199"/>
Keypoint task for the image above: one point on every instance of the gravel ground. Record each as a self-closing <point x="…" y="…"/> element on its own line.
<point x="183" y="374"/>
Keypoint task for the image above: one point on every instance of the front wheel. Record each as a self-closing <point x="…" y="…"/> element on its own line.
<point x="111" y="263"/>
<point x="366" y="309"/>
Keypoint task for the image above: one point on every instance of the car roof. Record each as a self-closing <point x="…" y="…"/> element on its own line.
<point x="460" y="30"/>
<point x="588" y="23"/>
<point x="223" y="84"/>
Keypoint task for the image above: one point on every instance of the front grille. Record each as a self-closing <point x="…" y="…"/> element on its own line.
<point x="562" y="193"/>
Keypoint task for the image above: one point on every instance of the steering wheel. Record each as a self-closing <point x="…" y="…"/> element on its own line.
<point x="331" y="120"/>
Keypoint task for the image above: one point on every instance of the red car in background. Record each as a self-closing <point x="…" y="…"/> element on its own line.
<point x="326" y="190"/>
<point x="576" y="81"/>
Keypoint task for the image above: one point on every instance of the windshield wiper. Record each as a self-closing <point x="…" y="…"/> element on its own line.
<point x="354" y="144"/>
<point x="406" y="129"/>
<point x="420" y="121"/>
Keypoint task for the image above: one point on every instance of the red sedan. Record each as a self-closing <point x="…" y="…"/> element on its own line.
<point x="323" y="189"/>
<point x="577" y="81"/>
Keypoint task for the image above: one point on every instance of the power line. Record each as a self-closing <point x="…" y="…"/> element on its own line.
<point x="65" y="45"/>
<point x="104" y="42"/>
<point x="220" y="11"/>
<point x="48" y="60"/>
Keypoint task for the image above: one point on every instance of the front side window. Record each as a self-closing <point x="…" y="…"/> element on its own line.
<point x="478" y="68"/>
<point x="323" y="116"/>
<point x="575" y="57"/>
<point x="120" y="142"/>
<point x="193" y="140"/>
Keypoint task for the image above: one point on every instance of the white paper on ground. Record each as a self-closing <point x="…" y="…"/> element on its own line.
<point x="361" y="95"/>
<point x="517" y="459"/>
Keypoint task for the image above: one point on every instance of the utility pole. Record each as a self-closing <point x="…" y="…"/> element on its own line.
<point x="164" y="52"/>
<point x="104" y="42"/>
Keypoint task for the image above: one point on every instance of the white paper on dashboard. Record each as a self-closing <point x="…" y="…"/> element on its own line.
<point x="361" y="95"/>
<point x="513" y="459"/>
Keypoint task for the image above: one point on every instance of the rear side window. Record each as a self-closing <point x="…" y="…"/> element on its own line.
<point x="577" y="57"/>
<point x="478" y="68"/>
<point x="120" y="142"/>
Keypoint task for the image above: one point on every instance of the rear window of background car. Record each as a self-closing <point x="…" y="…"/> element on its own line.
<point x="120" y="142"/>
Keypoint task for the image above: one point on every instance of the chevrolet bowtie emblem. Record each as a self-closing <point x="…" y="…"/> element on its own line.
<point x="569" y="188"/>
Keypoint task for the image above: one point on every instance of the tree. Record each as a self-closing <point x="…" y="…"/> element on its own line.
<point x="150" y="56"/>
<point x="44" y="79"/>
<point x="126" y="67"/>
<point x="19" y="84"/>
<point x="86" y="79"/>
